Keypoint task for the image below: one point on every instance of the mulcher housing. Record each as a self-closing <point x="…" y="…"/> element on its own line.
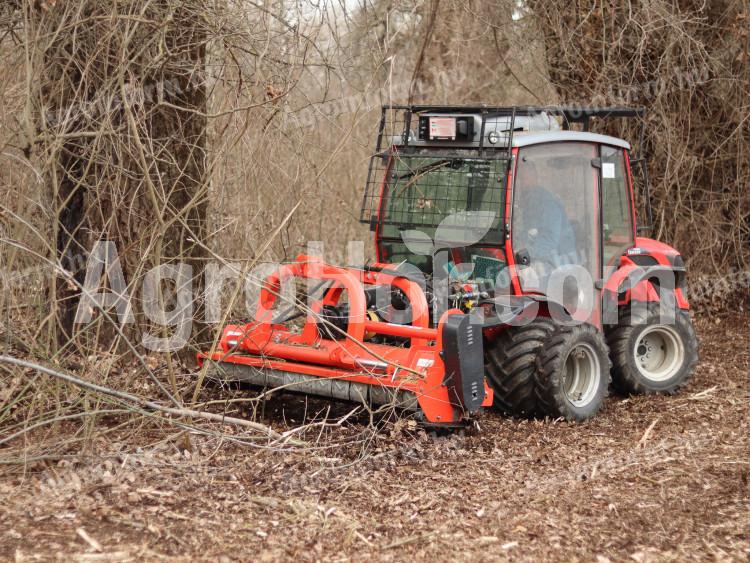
<point x="348" y="365"/>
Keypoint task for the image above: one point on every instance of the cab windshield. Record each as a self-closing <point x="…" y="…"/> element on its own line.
<point x="442" y="202"/>
<point x="421" y="191"/>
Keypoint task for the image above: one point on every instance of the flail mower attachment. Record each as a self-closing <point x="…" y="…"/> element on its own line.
<point x="345" y="350"/>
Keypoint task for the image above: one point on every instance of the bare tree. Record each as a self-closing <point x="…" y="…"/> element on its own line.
<point x="117" y="95"/>
<point x="688" y="63"/>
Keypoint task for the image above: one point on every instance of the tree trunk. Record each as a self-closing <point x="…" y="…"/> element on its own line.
<point x="122" y="123"/>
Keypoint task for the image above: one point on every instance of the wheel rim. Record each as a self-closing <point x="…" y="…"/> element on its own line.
<point x="582" y="373"/>
<point x="659" y="353"/>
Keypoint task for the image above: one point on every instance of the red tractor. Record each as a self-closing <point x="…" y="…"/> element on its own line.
<point x="509" y="273"/>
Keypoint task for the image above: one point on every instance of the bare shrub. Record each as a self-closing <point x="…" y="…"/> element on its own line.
<point x="687" y="63"/>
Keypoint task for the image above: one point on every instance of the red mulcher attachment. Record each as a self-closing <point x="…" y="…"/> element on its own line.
<point x="359" y="358"/>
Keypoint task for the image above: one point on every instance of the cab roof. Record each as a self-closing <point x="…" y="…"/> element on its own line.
<point x="526" y="138"/>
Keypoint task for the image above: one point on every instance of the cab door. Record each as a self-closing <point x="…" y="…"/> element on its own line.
<point x="555" y="227"/>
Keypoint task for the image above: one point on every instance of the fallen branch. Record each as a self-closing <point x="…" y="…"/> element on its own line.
<point x="58" y="419"/>
<point x="146" y="404"/>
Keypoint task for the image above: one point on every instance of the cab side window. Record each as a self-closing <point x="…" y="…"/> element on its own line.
<point x="617" y="227"/>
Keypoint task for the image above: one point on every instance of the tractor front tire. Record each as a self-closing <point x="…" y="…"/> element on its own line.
<point x="572" y="373"/>
<point x="652" y="355"/>
<point x="510" y="363"/>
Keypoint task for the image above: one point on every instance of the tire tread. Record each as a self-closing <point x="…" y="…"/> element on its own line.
<point x="510" y="363"/>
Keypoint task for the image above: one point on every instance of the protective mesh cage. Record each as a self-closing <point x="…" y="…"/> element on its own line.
<point x="418" y="186"/>
<point x="417" y="179"/>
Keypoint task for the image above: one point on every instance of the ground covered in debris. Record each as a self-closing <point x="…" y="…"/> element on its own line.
<point x="652" y="478"/>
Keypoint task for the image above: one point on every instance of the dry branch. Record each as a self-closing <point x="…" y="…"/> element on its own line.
<point x="144" y="403"/>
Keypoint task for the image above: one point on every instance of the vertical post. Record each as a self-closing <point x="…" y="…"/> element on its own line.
<point x="481" y="132"/>
<point x="407" y="127"/>
<point x="510" y="134"/>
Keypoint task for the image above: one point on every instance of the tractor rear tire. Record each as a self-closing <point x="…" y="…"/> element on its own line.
<point x="510" y="363"/>
<point x="572" y="373"/>
<point x="652" y="355"/>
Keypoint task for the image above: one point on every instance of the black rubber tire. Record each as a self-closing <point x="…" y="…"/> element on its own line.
<point x="551" y="375"/>
<point x="510" y="364"/>
<point x="627" y="376"/>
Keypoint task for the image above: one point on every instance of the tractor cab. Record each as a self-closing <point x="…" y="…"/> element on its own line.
<point x="514" y="200"/>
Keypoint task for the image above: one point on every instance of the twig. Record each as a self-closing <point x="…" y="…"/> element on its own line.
<point x="647" y="433"/>
<point x="59" y="419"/>
<point x="121" y="395"/>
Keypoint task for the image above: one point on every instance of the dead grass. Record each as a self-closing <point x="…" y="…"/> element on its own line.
<point x="651" y="478"/>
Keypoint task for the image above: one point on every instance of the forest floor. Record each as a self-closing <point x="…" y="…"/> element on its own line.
<point x="650" y="478"/>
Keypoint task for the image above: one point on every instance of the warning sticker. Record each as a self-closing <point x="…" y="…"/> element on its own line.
<point x="443" y="128"/>
<point x="425" y="363"/>
<point x="608" y="170"/>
